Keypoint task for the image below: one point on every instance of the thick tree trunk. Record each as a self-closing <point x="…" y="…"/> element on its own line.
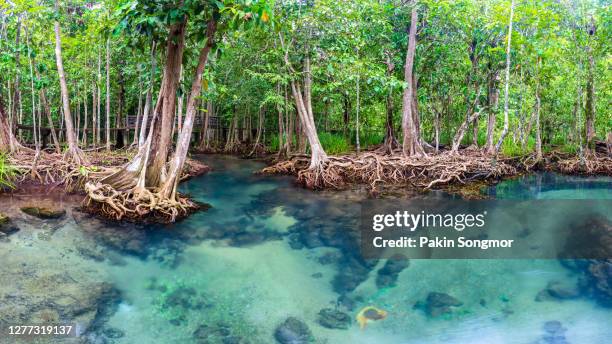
<point x="168" y="190"/>
<point x="8" y="142"/>
<point x="507" y="86"/>
<point x="74" y="153"/>
<point x="411" y="144"/>
<point x="166" y="104"/>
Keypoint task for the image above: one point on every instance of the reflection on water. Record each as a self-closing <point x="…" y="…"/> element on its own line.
<point x="267" y="251"/>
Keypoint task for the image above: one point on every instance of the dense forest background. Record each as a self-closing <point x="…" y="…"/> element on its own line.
<point x="559" y="66"/>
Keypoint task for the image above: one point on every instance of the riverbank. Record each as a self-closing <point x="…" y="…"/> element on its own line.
<point x="446" y="170"/>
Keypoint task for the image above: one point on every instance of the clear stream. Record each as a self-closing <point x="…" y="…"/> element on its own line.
<point x="267" y="250"/>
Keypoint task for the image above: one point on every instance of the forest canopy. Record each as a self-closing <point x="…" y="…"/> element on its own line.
<point x="301" y="77"/>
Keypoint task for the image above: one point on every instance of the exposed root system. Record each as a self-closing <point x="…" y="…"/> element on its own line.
<point x="138" y="204"/>
<point x="589" y="164"/>
<point x="374" y="169"/>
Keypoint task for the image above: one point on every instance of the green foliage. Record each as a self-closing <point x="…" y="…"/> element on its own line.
<point x="334" y="143"/>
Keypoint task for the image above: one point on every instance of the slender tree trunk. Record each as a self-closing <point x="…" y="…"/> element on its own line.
<point x="590" y="93"/>
<point x="149" y="97"/>
<point x="108" y="139"/>
<point x="492" y="101"/>
<point x="98" y="101"/>
<point x="390" y="142"/>
<point x="411" y="144"/>
<point x="86" y="120"/>
<point x="507" y="86"/>
<point x="17" y="93"/>
<point x="304" y="109"/>
<point x="139" y="113"/>
<point x="358" y="146"/>
<point x="537" y="112"/>
<point x="74" y="153"/>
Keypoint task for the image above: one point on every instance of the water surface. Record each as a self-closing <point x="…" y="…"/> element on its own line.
<point x="267" y="250"/>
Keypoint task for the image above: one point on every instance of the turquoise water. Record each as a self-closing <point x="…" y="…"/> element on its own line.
<point x="268" y="250"/>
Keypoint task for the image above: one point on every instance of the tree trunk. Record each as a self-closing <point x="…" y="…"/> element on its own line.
<point x="470" y="117"/>
<point x="507" y="86"/>
<point x="108" y="139"/>
<point x="390" y="142"/>
<point x="168" y="190"/>
<point x="166" y="105"/>
<point x="590" y="93"/>
<point x="97" y="140"/>
<point x="492" y="100"/>
<point x="86" y="119"/>
<point x="304" y="109"/>
<point x="148" y="100"/>
<point x="74" y="153"/>
<point x="357" y="144"/>
<point x="411" y="144"/>
<point x="17" y="94"/>
<point x="121" y="132"/>
<point x="537" y="112"/>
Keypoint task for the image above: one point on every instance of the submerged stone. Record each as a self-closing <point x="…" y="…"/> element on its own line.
<point x="438" y="304"/>
<point x="45" y="212"/>
<point x="388" y="274"/>
<point x="334" y="319"/>
<point x="293" y="331"/>
<point x="559" y="291"/>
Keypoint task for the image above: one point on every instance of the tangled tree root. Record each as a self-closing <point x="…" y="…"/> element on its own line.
<point x="138" y="204"/>
<point x="374" y="169"/>
<point x="52" y="169"/>
<point x="592" y="163"/>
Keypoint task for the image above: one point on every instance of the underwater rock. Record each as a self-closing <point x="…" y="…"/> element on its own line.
<point x="59" y="297"/>
<point x="334" y="319"/>
<point x="388" y="274"/>
<point x="597" y="281"/>
<point x="293" y="331"/>
<point x="44" y="212"/>
<point x="559" y="291"/>
<point x="121" y="236"/>
<point x="438" y="304"/>
<point x="113" y="333"/>
<point x="554" y="333"/>
<point x="370" y="313"/>
<point x="589" y="239"/>
<point x="216" y="334"/>
<point x="317" y="275"/>
<point x="8" y="229"/>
